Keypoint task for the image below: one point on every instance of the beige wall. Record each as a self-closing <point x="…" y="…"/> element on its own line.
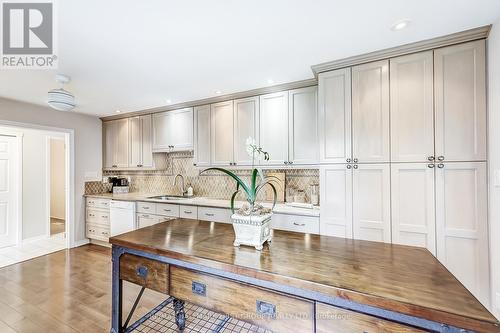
<point x="57" y="172"/>
<point x="87" y="146"/>
<point x="494" y="158"/>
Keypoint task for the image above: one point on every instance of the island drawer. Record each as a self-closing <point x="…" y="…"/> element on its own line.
<point x="297" y="223"/>
<point x="213" y="214"/>
<point x="97" y="216"/>
<point x="272" y="310"/>
<point x="167" y="210"/>
<point x="98" y="203"/>
<point x="145" y="272"/>
<point x="146" y="207"/>
<point x="188" y="212"/>
<point x="335" y="320"/>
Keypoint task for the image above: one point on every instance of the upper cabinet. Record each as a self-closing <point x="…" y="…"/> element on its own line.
<point x="303" y="126"/>
<point x="246" y="124"/>
<point x="273" y="127"/>
<point x="221" y="133"/>
<point x="412" y="109"/>
<point x="116" y="141"/>
<point x="202" y="135"/>
<point x="460" y="102"/>
<point x="334" y="116"/>
<point x="127" y="143"/>
<point x="370" y="112"/>
<point x="173" y="130"/>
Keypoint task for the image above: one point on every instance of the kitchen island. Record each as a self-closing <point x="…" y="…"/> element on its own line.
<point x="299" y="283"/>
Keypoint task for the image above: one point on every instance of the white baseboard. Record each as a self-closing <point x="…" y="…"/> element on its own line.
<point x="34" y="239"/>
<point x="80" y="243"/>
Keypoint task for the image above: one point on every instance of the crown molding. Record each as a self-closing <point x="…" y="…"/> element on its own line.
<point x="455" y="38"/>
<point x="217" y="99"/>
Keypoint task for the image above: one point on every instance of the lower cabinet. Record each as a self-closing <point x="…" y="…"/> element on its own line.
<point x="97" y="219"/>
<point x="335" y="320"/>
<point x="268" y="309"/>
<point x="188" y="212"/>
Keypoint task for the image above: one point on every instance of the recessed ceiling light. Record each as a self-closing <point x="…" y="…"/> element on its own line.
<point x="118" y="111"/>
<point x="400" y="25"/>
<point x="218" y="92"/>
<point x="169" y="101"/>
<point x="270" y="81"/>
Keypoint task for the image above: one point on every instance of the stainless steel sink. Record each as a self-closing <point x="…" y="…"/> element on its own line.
<point x="168" y="197"/>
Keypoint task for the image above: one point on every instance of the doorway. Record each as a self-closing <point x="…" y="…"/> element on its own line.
<point x="9" y="190"/>
<point x="57" y="185"/>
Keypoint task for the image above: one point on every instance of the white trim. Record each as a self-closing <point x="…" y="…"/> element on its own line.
<point x="47" y="184"/>
<point x="34" y="239"/>
<point x="80" y="243"/>
<point x="70" y="174"/>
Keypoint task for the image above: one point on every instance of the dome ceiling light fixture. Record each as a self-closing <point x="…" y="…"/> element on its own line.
<point x="60" y="99"/>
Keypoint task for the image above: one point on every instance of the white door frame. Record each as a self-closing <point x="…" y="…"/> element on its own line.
<point x="19" y="204"/>
<point x="69" y="139"/>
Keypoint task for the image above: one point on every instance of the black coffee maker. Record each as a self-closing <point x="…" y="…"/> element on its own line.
<point x="117" y="181"/>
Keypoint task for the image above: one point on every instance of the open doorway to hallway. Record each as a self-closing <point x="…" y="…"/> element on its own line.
<point x="57" y="185"/>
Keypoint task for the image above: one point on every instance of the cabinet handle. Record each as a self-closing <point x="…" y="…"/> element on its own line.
<point x="114" y="166"/>
<point x="285" y="162"/>
<point x="430" y="166"/>
<point x="104" y="216"/>
<point x="349" y="166"/>
<point x="355" y="166"/>
<point x="188" y="212"/>
<point x="348" y="160"/>
<point x="209" y="214"/>
<point x="167" y="210"/>
<point x="440" y="165"/>
<point x="266" y="309"/>
<point x="139" y="165"/>
<point x="291" y="162"/>
<point x="142" y="272"/>
<point x="355" y="160"/>
<point x="198" y="288"/>
<point x="431" y="158"/>
<point x="440" y="158"/>
<point x="145" y="216"/>
<point x="299" y="224"/>
<point x="145" y="208"/>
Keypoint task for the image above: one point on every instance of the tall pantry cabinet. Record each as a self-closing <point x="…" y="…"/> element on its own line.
<point x="403" y="156"/>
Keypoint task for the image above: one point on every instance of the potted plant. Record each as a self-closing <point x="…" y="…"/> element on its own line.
<point x="252" y="222"/>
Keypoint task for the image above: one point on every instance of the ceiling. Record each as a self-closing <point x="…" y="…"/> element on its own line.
<point x="131" y="55"/>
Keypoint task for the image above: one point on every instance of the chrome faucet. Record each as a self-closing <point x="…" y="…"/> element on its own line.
<point x="183" y="189"/>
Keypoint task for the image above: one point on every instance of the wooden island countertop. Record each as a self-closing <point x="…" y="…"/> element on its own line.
<point x="402" y="279"/>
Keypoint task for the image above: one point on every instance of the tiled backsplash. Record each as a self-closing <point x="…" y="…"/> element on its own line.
<point x="210" y="184"/>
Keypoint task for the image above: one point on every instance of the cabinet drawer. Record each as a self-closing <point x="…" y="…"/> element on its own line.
<point x="214" y="214"/>
<point x="334" y="320"/>
<point x="277" y="312"/>
<point x="99" y="232"/>
<point x="167" y="210"/>
<point x="144" y="272"/>
<point x="146" y="207"/>
<point x="146" y="220"/>
<point x="188" y="212"/>
<point x="97" y="216"/>
<point x="98" y="203"/>
<point x="305" y="224"/>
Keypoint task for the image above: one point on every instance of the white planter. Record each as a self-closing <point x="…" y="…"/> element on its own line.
<point x="252" y="230"/>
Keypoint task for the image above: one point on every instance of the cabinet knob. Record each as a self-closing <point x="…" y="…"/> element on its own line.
<point x="299" y="224"/>
<point x="431" y="158"/>
<point x="349" y="166"/>
<point x="348" y="160"/>
<point x="440" y="165"/>
<point x="430" y="165"/>
<point x="441" y="158"/>
<point x="209" y="214"/>
<point x="188" y="212"/>
<point x="355" y="160"/>
<point x="291" y="162"/>
<point x="115" y="166"/>
<point x="355" y="166"/>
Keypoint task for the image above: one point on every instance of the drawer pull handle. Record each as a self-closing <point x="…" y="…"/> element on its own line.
<point x="299" y="224"/>
<point x="142" y="271"/>
<point x="209" y="214"/>
<point x="266" y="309"/>
<point x="104" y="216"/>
<point x="145" y="207"/>
<point x="199" y="288"/>
<point x="167" y="210"/>
<point x="188" y="212"/>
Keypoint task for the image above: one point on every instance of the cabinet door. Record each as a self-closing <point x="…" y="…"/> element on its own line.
<point x="461" y="220"/>
<point x="181" y="129"/>
<point x="246" y="113"/>
<point x="273" y="129"/>
<point x="460" y="98"/>
<point x="370" y="112"/>
<point x="334" y="116"/>
<point x="147" y="147"/>
<point x="413" y="205"/>
<point x="202" y="135"/>
<point x="412" y="109"/>
<point x="371" y="202"/>
<point x="121" y="145"/>
<point x="135" y="130"/>
<point x="336" y="200"/>
<point x="162" y="131"/>
<point x="303" y="126"/>
<point x="222" y="133"/>
<point x="108" y="128"/>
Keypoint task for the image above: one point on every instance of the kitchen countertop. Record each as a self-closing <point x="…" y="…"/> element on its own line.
<point x="280" y="208"/>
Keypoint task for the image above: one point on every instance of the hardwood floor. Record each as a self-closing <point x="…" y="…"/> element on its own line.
<point x="67" y="291"/>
